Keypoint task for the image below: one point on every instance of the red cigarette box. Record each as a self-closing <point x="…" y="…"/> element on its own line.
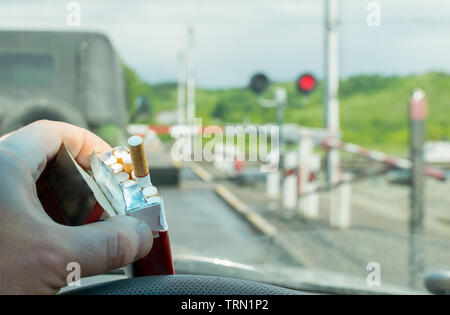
<point x="72" y="196"/>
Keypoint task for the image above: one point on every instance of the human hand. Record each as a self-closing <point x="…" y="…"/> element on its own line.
<point x="34" y="250"/>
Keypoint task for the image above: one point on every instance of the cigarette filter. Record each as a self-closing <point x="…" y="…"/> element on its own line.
<point x="120" y="153"/>
<point x="128" y="182"/>
<point x="140" y="166"/>
<point x="153" y="200"/>
<point x="137" y="151"/>
<point x="150" y="191"/>
<point x="117" y="168"/>
<point x="127" y="163"/>
<point x="110" y="160"/>
<point x="122" y="176"/>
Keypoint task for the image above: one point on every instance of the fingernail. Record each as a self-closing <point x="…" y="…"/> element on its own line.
<point x="145" y="239"/>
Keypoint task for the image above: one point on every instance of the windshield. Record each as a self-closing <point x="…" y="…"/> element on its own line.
<point x="303" y="254"/>
<point x="299" y="143"/>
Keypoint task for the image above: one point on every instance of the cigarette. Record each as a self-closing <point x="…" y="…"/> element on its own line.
<point x="153" y="199"/>
<point x="117" y="168"/>
<point x="110" y="160"/>
<point x="127" y="163"/>
<point x="150" y="191"/>
<point x="122" y="176"/>
<point x="128" y="182"/>
<point x="140" y="166"/>
<point x="120" y="153"/>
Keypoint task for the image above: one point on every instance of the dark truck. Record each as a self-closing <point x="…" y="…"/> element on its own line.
<point x="76" y="77"/>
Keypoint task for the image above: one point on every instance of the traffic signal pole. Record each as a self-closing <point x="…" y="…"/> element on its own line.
<point x="331" y="84"/>
<point x="281" y="102"/>
<point x="331" y="112"/>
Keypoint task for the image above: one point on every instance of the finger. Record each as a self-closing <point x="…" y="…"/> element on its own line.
<point x="108" y="245"/>
<point x="37" y="143"/>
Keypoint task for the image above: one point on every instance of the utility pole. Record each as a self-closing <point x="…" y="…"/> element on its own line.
<point x="181" y="95"/>
<point x="332" y="107"/>
<point x="417" y="114"/>
<point x="331" y="86"/>
<point x="190" y="77"/>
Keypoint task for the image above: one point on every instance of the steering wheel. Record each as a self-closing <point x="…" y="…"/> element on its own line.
<point x="182" y="285"/>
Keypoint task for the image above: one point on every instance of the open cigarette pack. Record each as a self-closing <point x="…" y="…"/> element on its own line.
<point x="117" y="184"/>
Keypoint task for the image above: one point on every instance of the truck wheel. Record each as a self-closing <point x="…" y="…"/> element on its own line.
<point x="28" y="113"/>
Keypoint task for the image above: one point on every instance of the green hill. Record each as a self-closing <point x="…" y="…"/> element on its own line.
<point x="373" y="109"/>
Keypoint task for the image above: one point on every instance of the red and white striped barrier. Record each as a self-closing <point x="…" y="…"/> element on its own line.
<point x="380" y="157"/>
<point x="307" y="204"/>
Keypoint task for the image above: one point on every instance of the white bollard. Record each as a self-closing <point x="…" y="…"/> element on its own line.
<point x="273" y="177"/>
<point x="290" y="192"/>
<point x="290" y="181"/>
<point x="273" y="184"/>
<point x="340" y="215"/>
<point x="309" y="203"/>
<point x="224" y="156"/>
<point x="305" y="149"/>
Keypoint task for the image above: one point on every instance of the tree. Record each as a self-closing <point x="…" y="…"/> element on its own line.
<point x="219" y="110"/>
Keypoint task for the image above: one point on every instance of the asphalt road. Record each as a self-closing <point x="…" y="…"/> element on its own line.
<point x="202" y="224"/>
<point x="378" y="233"/>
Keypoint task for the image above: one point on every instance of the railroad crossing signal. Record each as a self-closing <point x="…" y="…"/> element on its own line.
<point x="306" y="83"/>
<point x="259" y="83"/>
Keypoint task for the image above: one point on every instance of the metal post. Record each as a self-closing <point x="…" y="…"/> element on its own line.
<point x="417" y="114"/>
<point x="280" y="118"/>
<point x="331" y="100"/>
<point x="311" y="200"/>
<point x="181" y="97"/>
<point x="331" y="84"/>
<point x="280" y="103"/>
<point x="190" y="77"/>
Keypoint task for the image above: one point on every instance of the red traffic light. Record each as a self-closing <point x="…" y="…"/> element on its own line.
<point x="306" y="83"/>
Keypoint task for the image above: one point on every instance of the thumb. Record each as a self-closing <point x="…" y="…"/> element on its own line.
<point x="107" y="245"/>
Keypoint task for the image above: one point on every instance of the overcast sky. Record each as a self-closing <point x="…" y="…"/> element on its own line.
<point x="235" y="38"/>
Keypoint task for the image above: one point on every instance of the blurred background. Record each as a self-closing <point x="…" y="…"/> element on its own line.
<point x="283" y="39"/>
<point x="343" y="80"/>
